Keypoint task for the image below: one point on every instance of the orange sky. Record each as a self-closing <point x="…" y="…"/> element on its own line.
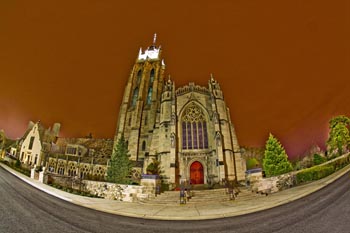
<point x="284" y="67"/>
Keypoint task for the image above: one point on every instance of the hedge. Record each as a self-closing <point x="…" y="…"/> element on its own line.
<point x="321" y="171"/>
<point x="314" y="173"/>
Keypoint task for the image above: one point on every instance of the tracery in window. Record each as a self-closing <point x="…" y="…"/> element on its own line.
<point x="194" y="128"/>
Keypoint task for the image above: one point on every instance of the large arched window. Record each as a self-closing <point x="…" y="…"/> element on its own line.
<point x="194" y="128"/>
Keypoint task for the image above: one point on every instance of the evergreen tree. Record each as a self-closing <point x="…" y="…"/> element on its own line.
<point x="339" y="137"/>
<point x="120" y="166"/>
<point x="275" y="161"/>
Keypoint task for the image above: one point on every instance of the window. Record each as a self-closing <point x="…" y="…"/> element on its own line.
<point x="149" y="96"/>
<point x="135" y="95"/>
<point x="139" y="75"/>
<point x="71" y="150"/>
<point x="143" y="146"/>
<point x="151" y="78"/>
<point x="129" y="123"/>
<point x="194" y="129"/>
<point x="31" y="143"/>
<point x="146" y="119"/>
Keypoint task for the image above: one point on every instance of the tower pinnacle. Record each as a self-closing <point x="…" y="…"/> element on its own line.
<point x="154" y="39"/>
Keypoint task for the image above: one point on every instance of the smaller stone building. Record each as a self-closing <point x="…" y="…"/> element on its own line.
<point x="36" y="143"/>
<point x="86" y="158"/>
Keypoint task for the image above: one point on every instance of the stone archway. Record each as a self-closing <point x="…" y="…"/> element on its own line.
<point x="196" y="173"/>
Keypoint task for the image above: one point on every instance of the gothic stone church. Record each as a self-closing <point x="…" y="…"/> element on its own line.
<point x="188" y="129"/>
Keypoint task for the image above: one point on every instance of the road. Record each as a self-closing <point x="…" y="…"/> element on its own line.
<point x="26" y="209"/>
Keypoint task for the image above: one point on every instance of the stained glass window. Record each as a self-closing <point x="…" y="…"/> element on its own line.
<point x="200" y="135"/>
<point x="184" y="144"/>
<point x="194" y="128"/>
<point x="194" y="131"/>
<point x="205" y="134"/>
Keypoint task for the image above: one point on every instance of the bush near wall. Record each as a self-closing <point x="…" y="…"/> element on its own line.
<point x="314" y="173"/>
<point x="323" y="170"/>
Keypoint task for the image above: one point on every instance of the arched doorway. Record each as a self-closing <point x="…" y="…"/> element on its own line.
<point x="196" y="173"/>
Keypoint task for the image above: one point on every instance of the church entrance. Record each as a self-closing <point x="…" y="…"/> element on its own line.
<point x="196" y="173"/>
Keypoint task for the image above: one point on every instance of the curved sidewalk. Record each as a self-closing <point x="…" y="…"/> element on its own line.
<point x="190" y="211"/>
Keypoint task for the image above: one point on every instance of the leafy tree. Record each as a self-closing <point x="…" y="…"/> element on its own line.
<point x="339" y="137"/>
<point x="275" y="161"/>
<point x="252" y="163"/>
<point x="120" y="166"/>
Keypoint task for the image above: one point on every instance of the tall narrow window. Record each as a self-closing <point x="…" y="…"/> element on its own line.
<point x="189" y="136"/>
<point x="200" y="135"/>
<point x="184" y="141"/>
<point x="194" y="131"/>
<point x="151" y="76"/>
<point x="205" y="133"/>
<point x="135" y="95"/>
<point x="143" y="146"/>
<point x="146" y="119"/>
<point x="139" y="75"/>
<point x="149" y="96"/>
<point x="31" y="142"/>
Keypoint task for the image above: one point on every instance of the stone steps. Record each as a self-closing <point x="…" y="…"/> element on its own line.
<point x="198" y="196"/>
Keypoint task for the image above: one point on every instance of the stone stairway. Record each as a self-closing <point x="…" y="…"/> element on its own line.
<point x="198" y="197"/>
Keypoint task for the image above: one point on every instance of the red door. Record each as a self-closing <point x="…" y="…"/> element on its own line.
<point x="197" y="174"/>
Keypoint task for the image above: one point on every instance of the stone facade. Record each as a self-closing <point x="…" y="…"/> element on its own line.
<point x="86" y="158"/>
<point x="36" y="143"/>
<point x="188" y="129"/>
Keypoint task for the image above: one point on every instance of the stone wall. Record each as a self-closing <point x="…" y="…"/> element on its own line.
<point x="274" y="184"/>
<point x="120" y="192"/>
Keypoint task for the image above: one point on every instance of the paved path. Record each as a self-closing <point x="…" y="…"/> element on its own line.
<point x="240" y="206"/>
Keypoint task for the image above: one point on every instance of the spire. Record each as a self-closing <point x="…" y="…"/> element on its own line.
<point x="154" y="39"/>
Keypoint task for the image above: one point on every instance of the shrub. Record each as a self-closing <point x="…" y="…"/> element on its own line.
<point x="18" y="163"/>
<point x="252" y="163"/>
<point x="314" y="173"/>
<point x="318" y="159"/>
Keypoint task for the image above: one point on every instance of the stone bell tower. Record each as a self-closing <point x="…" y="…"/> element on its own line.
<point x="141" y="102"/>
